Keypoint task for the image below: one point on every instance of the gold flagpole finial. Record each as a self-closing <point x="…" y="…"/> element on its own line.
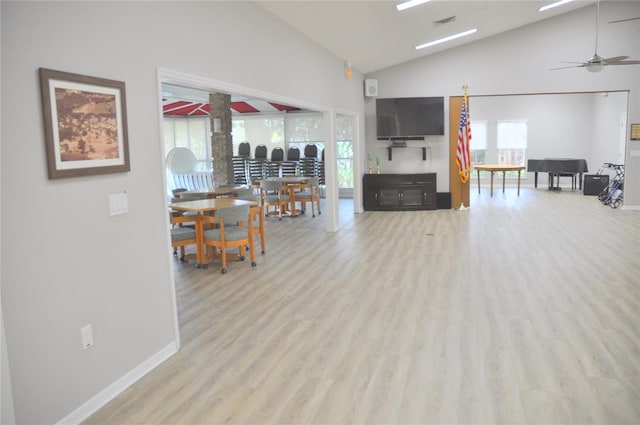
<point x="465" y="88"/>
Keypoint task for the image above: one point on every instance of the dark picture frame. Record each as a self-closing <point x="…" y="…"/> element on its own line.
<point x="85" y="123"/>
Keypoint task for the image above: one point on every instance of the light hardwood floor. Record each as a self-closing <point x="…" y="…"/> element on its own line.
<point x="519" y="310"/>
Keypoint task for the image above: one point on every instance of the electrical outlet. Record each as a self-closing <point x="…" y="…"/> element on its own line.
<point x="87" y="337"/>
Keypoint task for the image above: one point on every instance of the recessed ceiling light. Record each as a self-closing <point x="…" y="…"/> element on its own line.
<point x="448" y="38"/>
<point x="411" y="3"/>
<point x="552" y="5"/>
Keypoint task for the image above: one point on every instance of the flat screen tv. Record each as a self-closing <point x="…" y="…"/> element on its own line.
<point x="409" y="117"/>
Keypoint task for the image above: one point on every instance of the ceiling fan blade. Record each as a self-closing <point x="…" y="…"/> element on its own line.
<point x="624" y="63"/>
<point x="596" y="63"/>
<point x="616" y="59"/>
<point x="624" y="20"/>
<point x="566" y="67"/>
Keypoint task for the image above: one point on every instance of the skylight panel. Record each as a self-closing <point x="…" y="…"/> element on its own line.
<point x="445" y="39"/>
<point x="552" y="5"/>
<point x="410" y="3"/>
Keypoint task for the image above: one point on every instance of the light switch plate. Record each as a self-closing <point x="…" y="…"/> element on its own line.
<point x="87" y="336"/>
<point x="118" y="204"/>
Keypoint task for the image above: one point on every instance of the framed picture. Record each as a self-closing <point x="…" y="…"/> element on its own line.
<point x="635" y="131"/>
<point x="85" y="122"/>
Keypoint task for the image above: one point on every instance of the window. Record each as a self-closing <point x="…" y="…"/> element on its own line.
<point x="199" y="141"/>
<point x="512" y="143"/>
<point x="192" y="133"/>
<point x="344" y="146"/>
<point x="282" y="130"/>
<point x="303" y="129"/>
<point x="265" y="130"/>
<point x="478" y="145"/>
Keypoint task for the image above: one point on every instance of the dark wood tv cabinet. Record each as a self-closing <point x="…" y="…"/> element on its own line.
<point x="397" y="192"/>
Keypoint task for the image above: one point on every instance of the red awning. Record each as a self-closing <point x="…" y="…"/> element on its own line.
<point x="186" y="108"/>
<point x="243" y="107"/>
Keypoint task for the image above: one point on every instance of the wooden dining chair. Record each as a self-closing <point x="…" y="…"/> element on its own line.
<point x="310" y="194"/>
<point x="257" y="226"/>
<point x="234" y="230"/>
<point x="273" y="193"/>
<point x="181" y="197"/>
<point x="255" y="213"/>
<point x="181" y="236"/>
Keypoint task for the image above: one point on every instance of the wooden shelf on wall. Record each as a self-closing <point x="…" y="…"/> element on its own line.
<point x="392" y="147"/>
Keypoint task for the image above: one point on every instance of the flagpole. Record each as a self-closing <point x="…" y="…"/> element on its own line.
<point x="465" y="88"/>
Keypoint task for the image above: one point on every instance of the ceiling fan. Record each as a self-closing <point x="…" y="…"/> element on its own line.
<point x="596" y="62"/>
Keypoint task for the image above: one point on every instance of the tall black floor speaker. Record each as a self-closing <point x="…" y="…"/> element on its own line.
<point x="595" y="183"/>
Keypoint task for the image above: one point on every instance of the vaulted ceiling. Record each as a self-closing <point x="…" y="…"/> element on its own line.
<point x="371" y="35"/>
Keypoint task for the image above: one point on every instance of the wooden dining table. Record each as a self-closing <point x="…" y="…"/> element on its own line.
<point x="492" y="168"/>
<point x="292" y="183"/>
<point x="213" y="192"/>
<point x="207" y="206"/>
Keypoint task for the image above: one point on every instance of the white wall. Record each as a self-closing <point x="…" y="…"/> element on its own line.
<point x="520" y="62"/>
<point x="609" y="125"/>
<point x="65" y="262"/>
<point x="7" y="415"/>
<point x="6" y="394"/>
<point x="571" y="125"/>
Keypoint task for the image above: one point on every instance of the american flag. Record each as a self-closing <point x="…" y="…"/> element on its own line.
<point x="463" y="154"/>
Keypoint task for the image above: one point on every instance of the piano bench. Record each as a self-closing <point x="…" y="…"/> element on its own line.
<point x="573" y="179"/>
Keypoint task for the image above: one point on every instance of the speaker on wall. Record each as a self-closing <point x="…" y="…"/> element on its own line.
<point x="370" y="87"/>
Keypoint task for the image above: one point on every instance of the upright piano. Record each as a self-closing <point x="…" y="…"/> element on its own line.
<point x="557" y="167"/>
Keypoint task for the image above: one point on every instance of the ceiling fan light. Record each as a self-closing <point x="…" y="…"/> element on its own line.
<point x="595" y="64"/>
<point x="594" y="67"/>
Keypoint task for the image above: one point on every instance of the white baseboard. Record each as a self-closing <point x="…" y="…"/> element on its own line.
<point x="109" y="393"/>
